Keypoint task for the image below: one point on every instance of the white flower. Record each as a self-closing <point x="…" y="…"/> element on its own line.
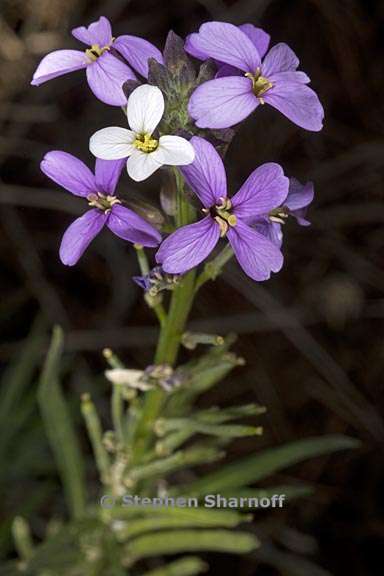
<point x="145" y="154"/>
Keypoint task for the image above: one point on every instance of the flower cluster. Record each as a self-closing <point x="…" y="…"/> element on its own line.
<point x="178" y="126"/>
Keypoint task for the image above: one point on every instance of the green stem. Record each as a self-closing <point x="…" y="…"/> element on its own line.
<point x="172" y="329"/>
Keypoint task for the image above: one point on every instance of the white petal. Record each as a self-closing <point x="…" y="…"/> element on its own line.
<point x="112" y="143"/>
<point x="145" y="109"/>
<point x="141" y="165"/>
<point x="174" y="151"/>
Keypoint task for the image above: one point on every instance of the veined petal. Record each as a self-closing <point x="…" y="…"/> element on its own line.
<point x="130" y="226"/>
<point x="266" y="188"/>
<point x="299" y="195"/>
<point x="58" y="63"/>
<point x="188" y="246"/>
<point x="99" y="32"/>
<point x="271" y="230"/>
<point x="297" y="102"/>
<point x="226" y="43"/>
<point x="106" y="77"/>
<point x="69" y="172"/>
<point x="80" y="234"/>
<point x="112" y="143"/>
<point x="142" y="165"/>
<point x="258" y="37"/>
<point x="107" y="174"/>
<point x="222" y="102"/>
<point x="206" y="175"/>
<point x="227" y="70"/>
<point x="174" y="151"/>
<point x="256" y="254"/>
<point x="145" y="109"/>
<point x="280" y="58"/>
<point x="137" y="52"/>
<point x="289" y="76"/>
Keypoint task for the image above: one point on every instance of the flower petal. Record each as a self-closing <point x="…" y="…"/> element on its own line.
<point x="222" y="102"/>
<point x="256" y="254"/>
<point x="280" y="58"/>
<point x="188" y="246"/>
<point x="299" y="195"/>
<point x="142" y="165"/>
<point x="258" y="37"/>
<point x="297" y="102"/>
<point x="271" y="230"/>
<point x="58" y="63"/>
<point x="145" y="109"/>
<point x="69" y="172"/>
<point x="106" y="77"/>
<point x="289" y="76"/>
<point x="99" y="32"/>
<point x="206" y="175"/>
<point x="298" y="199"/>
<point x="266" y="188"/>
<point x="112" y="143"/>
<point x="130" y="226"/>
<point x="107" y="174"/>
<point x="80" y="234"/>
<point x="174" y="151"/>
<point x="137" y="52"/>
<point x="227" y="70"/>
<point x="226" y="43"/>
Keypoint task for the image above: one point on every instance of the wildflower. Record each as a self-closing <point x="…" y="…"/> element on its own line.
<point x="265" y="189"/>
<point x="246" y="80"/>
<point x="106" y="208"/>
<point x="145" y="152"/>
<point x="106" y="72"/>
<point x="298" y="199"/>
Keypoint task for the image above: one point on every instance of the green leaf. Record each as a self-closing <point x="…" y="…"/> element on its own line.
<point x="187" y="566"/>
<point x="59" y="428"/>
<point x="184" y="518"/>
<point x="196" y="426"/>
<point x="175" y="542"/>
<point x="254" y="468"/>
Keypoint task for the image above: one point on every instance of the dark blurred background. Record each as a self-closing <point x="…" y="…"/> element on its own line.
<point x="312" y="336"/>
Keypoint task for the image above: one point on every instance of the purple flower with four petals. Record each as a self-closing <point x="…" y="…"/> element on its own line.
<point x="248" y="75"/>
<point x="264" y="190"/>
<point x="106" y="72"/>
<point x="106" y="208"/>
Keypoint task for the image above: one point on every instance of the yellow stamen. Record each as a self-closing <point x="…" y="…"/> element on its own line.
<point x="260" y="84"/>
<point x="102" y="202"/>
<point x="145" y="143"/>
<point x="95" y="51"/>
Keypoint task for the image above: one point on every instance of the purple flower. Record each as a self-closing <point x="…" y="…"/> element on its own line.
<point x="296" y="204"/>
<point x="247" y="77"/>
<point x="106" y="208"/>
<point x="106" y="72"/>
<point x="265" y="189"/>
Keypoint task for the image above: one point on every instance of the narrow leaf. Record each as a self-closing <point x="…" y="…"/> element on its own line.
<point x="59" y="427"/>
<point x="255" y="468"/>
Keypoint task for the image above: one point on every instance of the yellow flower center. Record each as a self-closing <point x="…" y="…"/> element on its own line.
<point x="146" y="143"/>
<point x="221" y="213"/>
<point x="260" y="84"/>
<point x="95" y="51"/>
<point x="102" y="202"/>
